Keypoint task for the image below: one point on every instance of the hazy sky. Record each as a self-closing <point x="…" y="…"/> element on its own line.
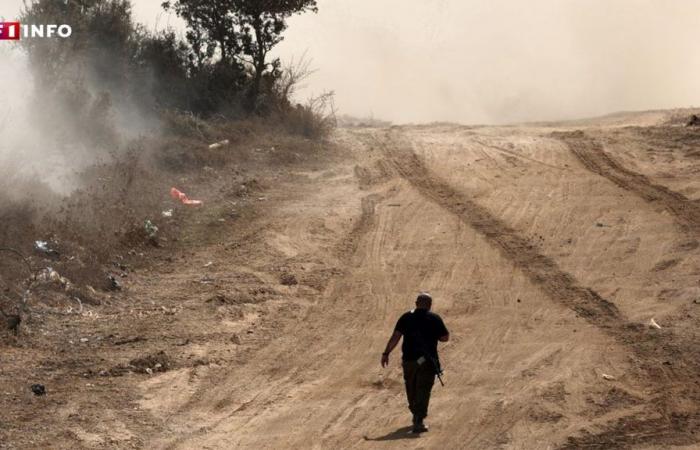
<point x="492" y="60"/>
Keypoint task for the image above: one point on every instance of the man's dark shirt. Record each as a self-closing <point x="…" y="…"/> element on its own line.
<point x="421" y="330"/>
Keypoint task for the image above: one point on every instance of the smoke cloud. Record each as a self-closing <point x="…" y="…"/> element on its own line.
<point x="44" y="143"/>
<point x="26" y="153"/>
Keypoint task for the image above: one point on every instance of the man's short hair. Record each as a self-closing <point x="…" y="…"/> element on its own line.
<point x="424" y="299"/>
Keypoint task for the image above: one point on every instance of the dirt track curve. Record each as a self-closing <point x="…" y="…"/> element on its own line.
<point x="594" y="157"/>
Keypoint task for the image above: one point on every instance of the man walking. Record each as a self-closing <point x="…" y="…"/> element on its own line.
<point x="421" y="331"/>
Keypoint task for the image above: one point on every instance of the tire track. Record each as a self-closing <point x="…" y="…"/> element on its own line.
<point x="667" y="362"/>
<point x="540" y="269"/>
<point x="591" y="154"/>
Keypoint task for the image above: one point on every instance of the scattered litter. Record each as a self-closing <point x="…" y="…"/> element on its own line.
<point x="262" y="199"/>
<point x="39" y="389"/>
<point x="80" y="309"/>
<point x="43" y="247"/>
<point x="84" y="340"/>
<point x="151" y="229"/>
<point x="206" y="280"/>
<point x="653" y="324"/>
<point x="167" y="213"/>
<point x="48" y="275"/>
<point x="607" y="377"/>
<point x="149" y="371"/>
<point x="219" y="144"/>
<point x="209" y="264"/>
<point x="182" y="197"/>
<point x="113" y="283"/>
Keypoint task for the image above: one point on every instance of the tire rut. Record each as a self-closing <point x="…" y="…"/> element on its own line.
<point x="592" y="155"/>
<point x="540" y="269"/>
<point x="665" y="361"/>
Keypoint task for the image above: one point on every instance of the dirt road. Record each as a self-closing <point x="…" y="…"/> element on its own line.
<point x="546" y="265"/>
<point x="548" y="251"/>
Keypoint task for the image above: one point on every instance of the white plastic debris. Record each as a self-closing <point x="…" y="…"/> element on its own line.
<point x="167" y="213"/>
<point x="653" y="324"/>
<point x="48" y="275"/>
<point x="151" y="229"/>
<point x="607" y="377"/>
<point x="149" y="371"/>
<point x="219" y="144"/>
<point x="209" y="264"/>
<point x="83" y="340"/>
<point x="80" y="309"/>
<point x="43" y="247"/>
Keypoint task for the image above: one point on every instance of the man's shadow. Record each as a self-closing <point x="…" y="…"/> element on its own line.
<point x="401" y="433"/>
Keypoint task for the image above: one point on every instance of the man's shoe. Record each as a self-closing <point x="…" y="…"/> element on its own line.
<point x="419" y="427"/>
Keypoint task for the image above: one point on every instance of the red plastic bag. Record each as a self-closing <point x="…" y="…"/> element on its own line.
<point x="182" y="197"/>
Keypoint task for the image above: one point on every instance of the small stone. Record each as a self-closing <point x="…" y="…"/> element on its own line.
<point x="38" y="389"/>
<point x="288" y="279"/>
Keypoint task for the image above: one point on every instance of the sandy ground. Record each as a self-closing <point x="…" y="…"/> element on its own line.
<point x="548" y="251"/>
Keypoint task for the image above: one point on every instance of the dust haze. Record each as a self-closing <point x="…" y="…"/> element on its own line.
<point x="497" y="61"/>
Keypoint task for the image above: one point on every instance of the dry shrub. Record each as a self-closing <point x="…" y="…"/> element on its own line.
<point x="314" y="120"/>
<point x="185" y="124"/>
<point x="348" y="121"/>
<point x="317" y="117"/>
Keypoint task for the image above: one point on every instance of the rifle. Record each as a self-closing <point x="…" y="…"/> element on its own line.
<point x="438" y="370"/>
<point x="426" y="355"/>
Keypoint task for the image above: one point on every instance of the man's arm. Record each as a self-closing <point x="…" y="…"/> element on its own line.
<point x="393" y="341"/>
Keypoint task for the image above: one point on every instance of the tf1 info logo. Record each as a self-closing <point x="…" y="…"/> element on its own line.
<point x="14" y="31"/>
